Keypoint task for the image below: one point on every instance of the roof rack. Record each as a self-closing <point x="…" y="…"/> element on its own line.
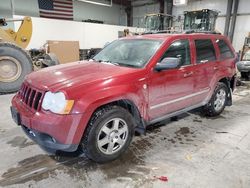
<point x="178" y="31"/>
<point x="162" y="31"/>
<point x="200" y="31"/>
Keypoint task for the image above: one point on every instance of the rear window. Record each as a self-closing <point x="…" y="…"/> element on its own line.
<point x="204" y="51"/>
<point x="225" y="51"/>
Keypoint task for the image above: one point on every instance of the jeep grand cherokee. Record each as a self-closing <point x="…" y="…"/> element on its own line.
<point x="133" y="82"/>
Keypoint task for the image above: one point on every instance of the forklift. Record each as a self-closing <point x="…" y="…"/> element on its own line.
<point x="15" y="61"/>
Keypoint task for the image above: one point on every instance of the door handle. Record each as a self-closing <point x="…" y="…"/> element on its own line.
<point x="216" y="68"/>
<point x="188" y="74"/>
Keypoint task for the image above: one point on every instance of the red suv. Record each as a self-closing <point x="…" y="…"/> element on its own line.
<point x="133" y="82"/>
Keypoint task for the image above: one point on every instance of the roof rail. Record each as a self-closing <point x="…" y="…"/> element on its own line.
<point x="178" y="31"/>
<point x="200" y="31"/>
<point x="162" y="31"/>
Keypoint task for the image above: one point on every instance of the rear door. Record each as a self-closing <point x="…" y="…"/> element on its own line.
<point x="226" y="60"/>
<point x="172" y="89"/>
<point x="204" y="69"/>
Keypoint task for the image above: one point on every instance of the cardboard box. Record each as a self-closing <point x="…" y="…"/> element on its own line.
<point x="66" y="51"/>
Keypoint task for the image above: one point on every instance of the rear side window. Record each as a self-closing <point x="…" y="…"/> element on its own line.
<point x="225" y="51"/>
<point x="179" y="49"/>
<point x="204" y="51"/>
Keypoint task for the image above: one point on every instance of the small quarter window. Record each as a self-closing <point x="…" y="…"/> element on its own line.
<point x="204" y="51"/>
<point x="225" y="51"/>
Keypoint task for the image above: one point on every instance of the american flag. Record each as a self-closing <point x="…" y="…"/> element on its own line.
<point x="57" y="9"/>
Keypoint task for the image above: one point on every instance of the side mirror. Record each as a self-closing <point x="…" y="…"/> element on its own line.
<point x="167" y="63"/>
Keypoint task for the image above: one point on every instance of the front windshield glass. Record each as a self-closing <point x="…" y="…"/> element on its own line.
<point x="129" y="52"/>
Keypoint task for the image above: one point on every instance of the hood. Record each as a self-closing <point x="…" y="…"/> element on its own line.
<point x="75" y="74"/>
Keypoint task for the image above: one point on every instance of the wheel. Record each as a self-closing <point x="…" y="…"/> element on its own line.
<point x="218" y="100"/>
<point x="108" y="134"/>
<point x="15" y="64"/>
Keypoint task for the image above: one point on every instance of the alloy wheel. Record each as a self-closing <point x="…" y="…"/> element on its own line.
<point x="112" y="136"/>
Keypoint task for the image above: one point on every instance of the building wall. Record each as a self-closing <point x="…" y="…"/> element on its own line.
<point x="114" y="15"/>
<point x="117" y="16"/>
<point x="89" y="35"/>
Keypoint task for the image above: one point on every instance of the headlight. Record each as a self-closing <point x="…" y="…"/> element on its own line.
<point x="57" y="103"/>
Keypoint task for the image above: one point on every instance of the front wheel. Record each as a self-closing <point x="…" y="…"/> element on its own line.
<point x="218" y="100"/>
<point x="108" y="134"/>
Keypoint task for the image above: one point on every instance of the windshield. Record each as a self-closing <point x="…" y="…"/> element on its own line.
<point x="129" y="52"/>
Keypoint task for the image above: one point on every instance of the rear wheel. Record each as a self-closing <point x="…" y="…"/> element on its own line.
<point x="218" y="100"/>
<point x="108" y="134"/>
<point x="15" y="63"/>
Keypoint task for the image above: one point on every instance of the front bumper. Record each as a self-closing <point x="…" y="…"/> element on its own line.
<point x="47" y="142"/>
<point x="53" y="132"/>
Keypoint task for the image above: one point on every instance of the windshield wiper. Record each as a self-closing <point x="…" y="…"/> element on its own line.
<point x="127" y="65"/>
<point x="107" y="61"/>
<point x="113" y="63"/>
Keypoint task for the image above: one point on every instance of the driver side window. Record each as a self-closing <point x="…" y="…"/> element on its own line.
<point x="179" y="49"/>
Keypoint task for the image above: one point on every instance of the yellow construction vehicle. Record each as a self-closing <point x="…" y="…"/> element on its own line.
<point x="15" y="62"/>
<point x="22" y="36"/>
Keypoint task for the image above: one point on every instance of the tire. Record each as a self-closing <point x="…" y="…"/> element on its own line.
<point x="101" y="130"/>
<point x="15" y="64"/>
<point x="216" y="105"/>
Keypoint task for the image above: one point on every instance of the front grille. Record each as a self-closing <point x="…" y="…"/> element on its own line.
<point x="31" y="97"/>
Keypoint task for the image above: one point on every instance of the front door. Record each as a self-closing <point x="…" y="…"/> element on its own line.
<point x="171" y="90"/>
